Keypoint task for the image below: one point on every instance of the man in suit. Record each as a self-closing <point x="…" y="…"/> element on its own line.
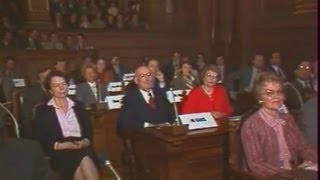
<point x="275" y="65"/>
<point x="246" y="76"/>
<point x="54" y="43"/>
<point x="33" y="96"/>
<point x="90" y="92"/>
<point x="81" y="43"/>
<point x="221" y="68"/>
<point x="159" y="80"/>
<point x="301" y="89"/>
<point x="143" y="106"/>
<point x="7" y="42"/>
<point x="117" y="69"/>
<point x="32" y="42"/>
<point x="170" y="70"/>
<point x="7" y="76"/>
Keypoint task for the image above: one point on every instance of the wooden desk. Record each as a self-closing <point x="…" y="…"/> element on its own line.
<point x="199" y="154"/>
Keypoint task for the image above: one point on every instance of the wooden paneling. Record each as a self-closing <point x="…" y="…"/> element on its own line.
<point x="131" y="47"/>
<point x="30" y="62"/>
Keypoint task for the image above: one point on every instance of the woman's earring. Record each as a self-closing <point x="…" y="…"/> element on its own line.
<point x="260" y="101"/>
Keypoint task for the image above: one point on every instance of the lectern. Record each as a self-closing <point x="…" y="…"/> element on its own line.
<point x="165" y="153"/>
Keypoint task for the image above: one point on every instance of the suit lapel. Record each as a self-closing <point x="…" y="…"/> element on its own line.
<point x="89" y="91"/>
<point x="55" y="121"/>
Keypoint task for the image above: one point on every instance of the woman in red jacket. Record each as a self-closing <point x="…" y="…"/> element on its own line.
<point x="208" y="97"/>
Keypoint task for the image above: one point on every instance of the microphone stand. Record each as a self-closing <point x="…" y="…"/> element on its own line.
<point x="177" y="120"/>
<point x="13" y="118"/>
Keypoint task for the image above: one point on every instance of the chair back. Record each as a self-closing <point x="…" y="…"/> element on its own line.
<point x="239" y="161"/>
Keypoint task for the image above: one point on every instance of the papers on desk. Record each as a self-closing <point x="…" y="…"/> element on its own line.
<point x="176" y="95"/>
<point x="114" y="102"/>
<point x="19" y="83"/>
<point x="114" y="86"/>
<point x="198" y="120"/>
<point x="72" y="89"/>
<point x="128" y="77"/>
<point x="312" y="168"/>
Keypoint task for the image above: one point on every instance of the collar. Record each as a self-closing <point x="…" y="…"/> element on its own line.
<point x="272" y="121"/>
<point x="53" y="103"/>
<point x="275" y="66"/>
<point x="146" y="93"/>
<point x="91" y="83"/>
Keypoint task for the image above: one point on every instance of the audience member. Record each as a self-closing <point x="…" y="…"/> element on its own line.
<point x="103" y="76"/>
<point x="8" y="75"/>
<point x="97" y="22"/>
<point x="221" y="68"/>
<point x="200" y="62"/>
<point x="7" y="42"/>
<point x="84" y="22"/>
<point x="81" y="44"/>
<point x="90" y="92"/>
<point x="60" y="65"/>
<point x="271" y="141"/>
<point x="171" y="69"/>
<point x="62" y="127"/>
<point x="143" y="106"/>
<point x="185" y="79"/>
<point x="44" y="40"/>
<point x="246" y="76"/>
<point x="275" y="65"/>
<point x="73" y="23"/>
<point x="32" y="41"/>
<point x="33" y="96"/>
<point x="69" y="43"/>
<point x="301" y="89"/>
<point x="54" y="43"/>
<point x="117" y="69"/>
<point x="159" y="82"/>
<point x="208" y="97"/>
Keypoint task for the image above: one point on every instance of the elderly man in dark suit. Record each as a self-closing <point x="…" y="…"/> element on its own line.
<point x="90" y="92"/>
<point x="275" y="65"/>
<point x="143" y="106"/>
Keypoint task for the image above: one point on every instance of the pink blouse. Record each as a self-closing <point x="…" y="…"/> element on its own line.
<point x="68" y="121"/>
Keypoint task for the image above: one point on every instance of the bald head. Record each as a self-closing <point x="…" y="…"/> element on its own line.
<point x="144" y="78"/>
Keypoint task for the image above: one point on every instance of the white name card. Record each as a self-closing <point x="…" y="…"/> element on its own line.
<point x="19" y="83"/>
<point x="114" y="102"/>
<point x="175" y="96"/>
<point x="198" y="120"/>
<point x="128" y="77"/>
<point x="114" y="86"/>
<point x="72" y="89"/>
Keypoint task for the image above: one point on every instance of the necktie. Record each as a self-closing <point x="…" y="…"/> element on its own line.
<point x="189" y="83"/>
<point x="151" y="102"/>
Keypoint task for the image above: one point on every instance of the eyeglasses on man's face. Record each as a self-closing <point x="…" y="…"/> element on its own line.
<point x="304" y="67"/>
<point x="144" y="75"/>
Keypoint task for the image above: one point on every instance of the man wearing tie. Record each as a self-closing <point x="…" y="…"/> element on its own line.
<point x="143" y="106"/>
<point x="275" y="65"/>
<point x="90" y="92"/>
<point x="300" y="90"/>
<point x="221" y="68"/>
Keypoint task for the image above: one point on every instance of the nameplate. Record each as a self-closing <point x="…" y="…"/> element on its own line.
<point x="177" y="95"/>
<point x="114" y="102"/>
<point x="19" y="83"/>
<point x="114" y="86"/>
<point x="128" y="77"/>
<point x="198" y="120"/>
<point x="72" y="89"/>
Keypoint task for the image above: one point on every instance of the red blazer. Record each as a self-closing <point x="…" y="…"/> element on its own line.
<point x="198" y="101"/>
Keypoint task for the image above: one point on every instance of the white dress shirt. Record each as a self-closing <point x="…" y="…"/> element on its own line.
<point x="94" y="89"/>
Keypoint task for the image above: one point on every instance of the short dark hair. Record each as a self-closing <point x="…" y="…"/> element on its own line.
<point x="48" y="79"/>
<point x="205" y="70"/>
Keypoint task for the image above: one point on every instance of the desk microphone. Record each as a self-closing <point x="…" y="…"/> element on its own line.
<point x="2" y="105"/>
<point x="177" y="119"/>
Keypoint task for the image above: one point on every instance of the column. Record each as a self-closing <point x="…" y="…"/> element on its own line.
<point x="38" y="13"/>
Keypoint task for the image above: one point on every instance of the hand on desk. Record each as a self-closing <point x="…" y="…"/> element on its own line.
<point x="309" y="166"/>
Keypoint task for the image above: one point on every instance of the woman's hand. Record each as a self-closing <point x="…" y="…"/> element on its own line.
<point x="66" y="145"/>
<point x="83" y="143"/>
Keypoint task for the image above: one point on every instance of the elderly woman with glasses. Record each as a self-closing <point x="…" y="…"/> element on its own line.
<point x="63" y="129"/>
<point x="209" y="96"/>
<point x="271" y="141"/>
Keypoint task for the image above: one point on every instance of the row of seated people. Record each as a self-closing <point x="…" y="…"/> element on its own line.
<point x="91" y="14"/>
<point x="33" y="40"/>
<point x="213" y="99"/>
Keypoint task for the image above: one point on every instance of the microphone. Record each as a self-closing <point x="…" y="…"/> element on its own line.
<point x="177" y="119"/>
<point x="102" y="159"/>
<point x="12" y="117"/>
